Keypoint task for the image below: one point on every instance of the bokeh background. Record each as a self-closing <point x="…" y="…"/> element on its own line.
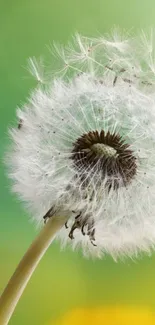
<point x="64" y="280"/>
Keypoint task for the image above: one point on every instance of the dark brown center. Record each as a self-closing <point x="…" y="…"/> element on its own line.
<point x="107" y="154"/>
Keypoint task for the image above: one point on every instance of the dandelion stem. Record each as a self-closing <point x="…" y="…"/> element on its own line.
<point x="26" y="267"/>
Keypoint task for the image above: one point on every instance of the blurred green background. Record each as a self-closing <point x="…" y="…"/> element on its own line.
<point x="63" y="280"/>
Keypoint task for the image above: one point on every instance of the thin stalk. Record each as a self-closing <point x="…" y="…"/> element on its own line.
<point x="26" y="267"/>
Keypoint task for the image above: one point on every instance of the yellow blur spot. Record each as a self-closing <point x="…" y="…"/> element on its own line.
<point x="108" y="316"/>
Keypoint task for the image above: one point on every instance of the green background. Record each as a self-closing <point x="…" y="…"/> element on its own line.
<point x="64" y="279"/>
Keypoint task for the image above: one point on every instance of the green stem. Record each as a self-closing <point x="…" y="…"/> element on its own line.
<point x="26" y="267"/>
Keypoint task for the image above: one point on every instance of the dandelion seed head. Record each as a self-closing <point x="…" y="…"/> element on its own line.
<point x="85" y="145"/>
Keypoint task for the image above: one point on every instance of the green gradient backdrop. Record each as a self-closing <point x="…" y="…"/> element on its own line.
<point x="63" y="280"/>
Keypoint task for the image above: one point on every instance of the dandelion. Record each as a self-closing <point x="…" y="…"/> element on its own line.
<point x="83" y="155"/>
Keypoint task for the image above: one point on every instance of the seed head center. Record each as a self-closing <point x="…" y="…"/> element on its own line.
<point x="102" y="149"/>
<point x="106" y="154"/>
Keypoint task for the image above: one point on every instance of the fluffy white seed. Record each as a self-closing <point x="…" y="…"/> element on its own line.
<point x="104" y="84"/>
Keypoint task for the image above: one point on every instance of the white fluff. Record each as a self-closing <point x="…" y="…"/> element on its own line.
<point x="83" y="97"/>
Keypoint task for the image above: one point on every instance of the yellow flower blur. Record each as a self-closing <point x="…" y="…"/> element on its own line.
<point x="108" y="316"/>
